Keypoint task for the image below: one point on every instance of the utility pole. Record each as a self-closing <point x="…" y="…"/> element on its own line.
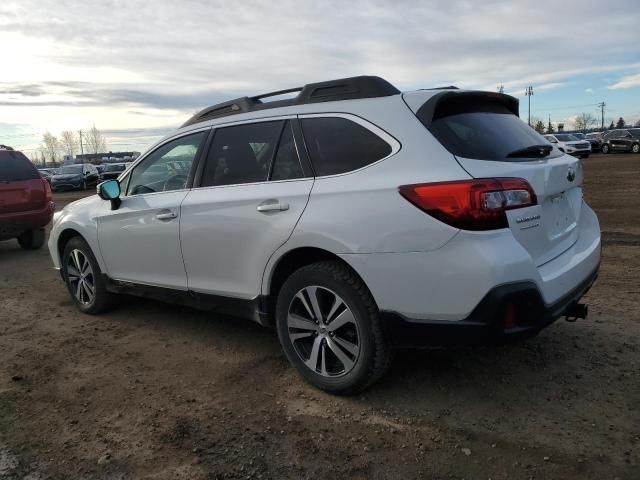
<point x="81" y="149"/>
<point x="528" y="92"/>
<point x="500" y="88"/>
<point x="601" y="106"/>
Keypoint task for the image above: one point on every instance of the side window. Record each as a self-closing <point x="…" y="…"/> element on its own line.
<point x="167" y="168"/>
<point x="286" y="164"/>
<point x="337" y="145"/>
<point x="241" y="154"/>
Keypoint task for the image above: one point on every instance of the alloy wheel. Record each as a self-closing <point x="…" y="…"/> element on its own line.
<point x="323" y="331"/>
<point x="80" y="277"/>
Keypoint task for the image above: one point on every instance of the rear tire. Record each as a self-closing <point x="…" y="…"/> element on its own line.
<point x="605" y="149"/>
<point x="32" y="239"/>
<point x="83" y="278"/>
<point x="346" y="350"/>
<point x="635" y="148"/>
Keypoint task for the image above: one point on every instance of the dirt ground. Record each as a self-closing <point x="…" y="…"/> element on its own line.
<point x="162" y="392"/>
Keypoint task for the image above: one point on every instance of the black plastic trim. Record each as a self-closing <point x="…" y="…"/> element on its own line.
<point x="484" y="323"/>
<point x="253" y="309"/>
<point x="427" y="111"/>
<point x="351" y="88"/>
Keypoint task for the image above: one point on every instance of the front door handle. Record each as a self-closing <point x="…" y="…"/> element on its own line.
<point x="166" y="216"/>
<point x="273" y="207"/>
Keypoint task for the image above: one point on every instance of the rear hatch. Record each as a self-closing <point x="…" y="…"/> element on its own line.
<point x="21" y="187"/>
<point x="488" y="139"/>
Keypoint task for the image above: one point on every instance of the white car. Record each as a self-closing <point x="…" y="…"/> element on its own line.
<point x="567" y="143"/>
<point x="353" y="218"/>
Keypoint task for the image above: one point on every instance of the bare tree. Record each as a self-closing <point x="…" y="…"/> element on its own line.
<point x="69" y="142"/>
<point x="51" y="147"/>
<point x="584" y="121"/>
<point x="95" y="141"/>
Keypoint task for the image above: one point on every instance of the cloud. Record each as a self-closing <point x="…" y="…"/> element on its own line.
<point x="121" y="64"/>
<point x="589" y="91"/>
<point x="628" y="81"/>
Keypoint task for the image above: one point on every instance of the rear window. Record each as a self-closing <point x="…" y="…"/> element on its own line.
<point x="14" y="167"/>
<point x="337" y="145"/>
<point x="482" y="130"/>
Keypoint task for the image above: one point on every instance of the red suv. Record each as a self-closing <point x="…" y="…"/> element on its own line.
<point x="25" y="200"/>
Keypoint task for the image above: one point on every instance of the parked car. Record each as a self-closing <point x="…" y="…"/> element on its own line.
<point x="75" y="177"/>
<point x="353" y="218"/>
<point x="567" y="143"/>
<point x="25" y="200"/>
<point x="112" y="170"/>
<point x="100" y="167"/>
<point x="595" y="143"/>
<point x="46" y="173"/>
<point x="622" y="140"/>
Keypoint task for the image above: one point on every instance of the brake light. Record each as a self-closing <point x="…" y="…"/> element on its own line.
<point x="47" y="190"/>
<point x="478" y="204"/>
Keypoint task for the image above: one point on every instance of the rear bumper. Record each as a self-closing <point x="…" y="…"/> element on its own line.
<point x="14" y="224"/>
<point x="507" y="312"/>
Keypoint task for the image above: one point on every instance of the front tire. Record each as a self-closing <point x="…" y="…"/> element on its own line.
<point x="83" y="278"/>
<point x="605" y="149"/>
<point x="635" y="148"/>
<point x="32" y="239"/>
<point x="330" y="328"/>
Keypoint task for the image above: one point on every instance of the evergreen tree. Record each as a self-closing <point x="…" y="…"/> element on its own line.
<point x="620" y="123"/>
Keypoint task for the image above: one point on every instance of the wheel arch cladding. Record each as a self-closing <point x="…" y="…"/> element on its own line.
<point x="64" y="238"/>
<point x="294" y="260"/>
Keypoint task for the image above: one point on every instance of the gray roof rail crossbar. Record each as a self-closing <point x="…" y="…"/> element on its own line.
<point x="341" y="89"/>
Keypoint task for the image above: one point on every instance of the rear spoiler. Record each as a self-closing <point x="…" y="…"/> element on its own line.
<point x="450" y="102"/>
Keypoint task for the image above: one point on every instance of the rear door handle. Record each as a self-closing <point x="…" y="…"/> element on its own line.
<point x="166" y="216"/>
<point x="273" y="207"/>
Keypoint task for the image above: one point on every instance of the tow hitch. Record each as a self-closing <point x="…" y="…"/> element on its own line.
<point x="575" y="311"/>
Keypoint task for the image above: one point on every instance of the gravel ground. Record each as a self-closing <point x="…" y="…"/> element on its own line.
<point x="158" y="392"/>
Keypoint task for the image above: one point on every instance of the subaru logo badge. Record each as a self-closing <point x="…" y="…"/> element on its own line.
<point x="571" y="174"/>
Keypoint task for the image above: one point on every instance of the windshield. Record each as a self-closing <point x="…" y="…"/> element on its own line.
<point x="69" y="170"/>
<point x="579" y="136"/>
<point x="114" y="168"/>
<point x="566" y="137"/>
<point x="487" y="131"/>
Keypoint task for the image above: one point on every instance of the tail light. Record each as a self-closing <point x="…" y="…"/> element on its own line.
<point x="478" y="204"/>
<point x="47" y="190"/>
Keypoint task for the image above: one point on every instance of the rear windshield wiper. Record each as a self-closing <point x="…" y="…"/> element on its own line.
<point x="536" y="151"/>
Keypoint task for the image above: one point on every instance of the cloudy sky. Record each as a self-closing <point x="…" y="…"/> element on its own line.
<point x="138" y="69"/>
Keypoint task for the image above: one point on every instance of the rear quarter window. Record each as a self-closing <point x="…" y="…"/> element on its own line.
<point x="338" y="145"/>
<point x="14" y="167"/>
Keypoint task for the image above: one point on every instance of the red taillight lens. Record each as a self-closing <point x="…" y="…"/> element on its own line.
<point x="47" y="190"/>
<point x="471" y="204"/>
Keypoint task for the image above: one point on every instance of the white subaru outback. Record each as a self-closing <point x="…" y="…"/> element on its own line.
<point x="352" y="217"/>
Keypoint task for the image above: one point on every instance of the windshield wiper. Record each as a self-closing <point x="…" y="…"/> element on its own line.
<point x="531" y="151"/>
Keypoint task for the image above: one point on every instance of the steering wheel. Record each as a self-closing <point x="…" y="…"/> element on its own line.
<point x="175" y="182"/>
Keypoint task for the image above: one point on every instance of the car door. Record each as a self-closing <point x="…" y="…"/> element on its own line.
<point x="140" y="241"/>
<point x="626" y="140"/>
<point x="253" y="190"/>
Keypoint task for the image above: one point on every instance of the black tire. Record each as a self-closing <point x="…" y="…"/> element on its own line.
<point x="32" y="239"/>
<point x="605" y="149"/>
<point x="374" y="355"/>
<point x="102" y="300"/>
<point x="635" y="148"/>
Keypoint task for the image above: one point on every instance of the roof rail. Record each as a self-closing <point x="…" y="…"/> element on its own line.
<point x="351" y="88"/>
<point x="5" y="147"/>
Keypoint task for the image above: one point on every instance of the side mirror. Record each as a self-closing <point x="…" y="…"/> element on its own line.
<point x="110" y="190"/>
